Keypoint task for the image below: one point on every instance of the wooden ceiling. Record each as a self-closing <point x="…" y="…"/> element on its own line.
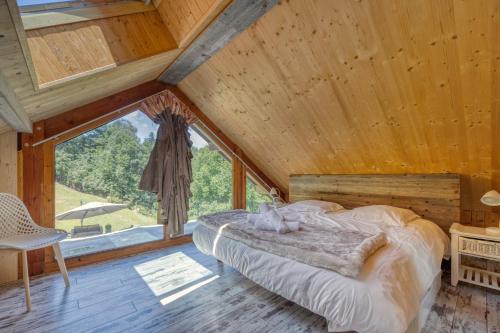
<point x="43" y="103"/>
<point x="78" y="63"/>
<point x="319" y="86"/>
<point x="363" y="87"/>
<point x="65" y="51"/>
<point x="186" y="19"/>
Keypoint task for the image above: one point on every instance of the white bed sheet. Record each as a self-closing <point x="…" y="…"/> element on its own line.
<point x="384" y="298"/>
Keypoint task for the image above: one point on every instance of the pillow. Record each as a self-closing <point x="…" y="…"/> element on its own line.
<point x="314" y="206"/>
<point x="389" y="215"/>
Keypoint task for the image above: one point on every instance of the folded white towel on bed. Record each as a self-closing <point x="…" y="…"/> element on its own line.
<point x="259" y="222"/>
<point x="292" y="226"/>
<point x="270" y="220"/>
<point x="264" y="207"/>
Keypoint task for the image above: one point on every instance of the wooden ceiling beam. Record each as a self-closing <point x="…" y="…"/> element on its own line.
<point x="10" y="110"/>
<point x="230" y="146"/>
<point x="61" y="16"/>
<point x="235" y="18"/>
<point x="82" y="115"/>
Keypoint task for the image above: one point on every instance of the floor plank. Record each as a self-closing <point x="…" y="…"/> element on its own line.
<point x="493" y="314"/>
<point x="470" y="313"/>
<point x="440" y="319"/>
<point x="179" y="290"/>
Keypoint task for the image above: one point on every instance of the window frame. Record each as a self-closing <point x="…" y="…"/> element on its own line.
<point x="61" y="6"/>
<point x="50" y="146"/>
<point x="167" y="240"/>
<point x="40" y="16"/>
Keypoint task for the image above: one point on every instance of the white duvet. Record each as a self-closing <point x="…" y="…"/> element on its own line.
<point x="384" y="298"/>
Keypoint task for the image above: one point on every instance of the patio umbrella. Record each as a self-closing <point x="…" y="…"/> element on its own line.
<point x="89" y="210"/>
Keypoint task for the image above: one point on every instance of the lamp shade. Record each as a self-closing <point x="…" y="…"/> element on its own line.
<point x="491" y="198"/>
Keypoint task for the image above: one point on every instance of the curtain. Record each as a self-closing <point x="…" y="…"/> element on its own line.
<point x="157" y="104"/>
<point x="168" y="171"/>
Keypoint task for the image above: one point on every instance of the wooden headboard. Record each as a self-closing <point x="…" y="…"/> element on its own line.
<point x="435" y="197"/>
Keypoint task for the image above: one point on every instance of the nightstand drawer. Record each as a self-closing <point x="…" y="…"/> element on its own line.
<point x="483" y="248"/>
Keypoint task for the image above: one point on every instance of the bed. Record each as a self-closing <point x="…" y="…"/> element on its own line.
<point x="397" y="284"/>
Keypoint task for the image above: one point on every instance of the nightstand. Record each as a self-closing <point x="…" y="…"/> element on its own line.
<point x="475" y="242"/>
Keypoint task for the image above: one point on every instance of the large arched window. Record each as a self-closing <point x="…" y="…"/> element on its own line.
<point x="104" y="165"/>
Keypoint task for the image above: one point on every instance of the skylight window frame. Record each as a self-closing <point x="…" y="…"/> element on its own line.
<point x="66" y="5"/>
<point x="20" y="14"/>
<point x="54" y="14"/>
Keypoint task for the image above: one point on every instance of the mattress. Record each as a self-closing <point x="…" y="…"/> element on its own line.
<point x="385" y="297"/>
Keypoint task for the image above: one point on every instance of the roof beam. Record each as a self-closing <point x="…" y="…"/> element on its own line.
<point x="10" y="110"/>
<point x="53" y="17"/>
<point x="81" y="116"/>
<point x="235" y="18"/>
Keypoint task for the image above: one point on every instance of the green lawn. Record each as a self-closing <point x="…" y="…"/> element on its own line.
<point x="67" y="198"/>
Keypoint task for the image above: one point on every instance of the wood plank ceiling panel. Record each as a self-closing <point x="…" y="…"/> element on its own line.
<point x="51" y="101"/>
<point x="235" y="18"/>
<point x="181" y="17"/>
<point x="42" y="19"/>
<point x="12" y="62"/>
<point x="74" y="49"/>
<point x="361" y="87"/>
<point x="73" y="94"/>
<point x="495" y="102"/>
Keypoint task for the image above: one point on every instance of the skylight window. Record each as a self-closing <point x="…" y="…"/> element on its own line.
<point x="38" y="2"/>
<point x="35" y="6"/>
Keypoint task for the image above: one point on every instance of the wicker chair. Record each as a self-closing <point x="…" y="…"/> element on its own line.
<point x="19" y="232"/>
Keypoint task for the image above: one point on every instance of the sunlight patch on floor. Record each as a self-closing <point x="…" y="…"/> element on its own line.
<point x="171" y="272"/>
<point x="184" y="292"/>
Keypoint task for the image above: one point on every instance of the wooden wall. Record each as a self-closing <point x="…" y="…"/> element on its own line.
<point x="8" y="162"/>
<point x="360" y="87"/>
<point x="70" y="50"/>
<point x="434" y="197"/>
<point x="8" y="183"/>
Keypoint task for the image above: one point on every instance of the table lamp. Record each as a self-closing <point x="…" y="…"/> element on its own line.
<point x="491" y="198"/>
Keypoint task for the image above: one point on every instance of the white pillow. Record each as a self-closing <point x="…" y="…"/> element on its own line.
<point x="314" y="206"/>
<point x="389" y="215"/>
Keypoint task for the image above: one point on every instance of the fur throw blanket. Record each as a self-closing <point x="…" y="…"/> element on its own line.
<point x="317" y="244"/>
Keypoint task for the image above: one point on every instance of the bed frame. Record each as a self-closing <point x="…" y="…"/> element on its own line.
<point x="435" y="197"/>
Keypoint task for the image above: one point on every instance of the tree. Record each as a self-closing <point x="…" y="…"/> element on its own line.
<point x="255" y="196"/>
<point x="212" y="185"/>
<point x="109" y="162"/>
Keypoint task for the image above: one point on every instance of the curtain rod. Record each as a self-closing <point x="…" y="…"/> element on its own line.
<point x="55" y="136"/>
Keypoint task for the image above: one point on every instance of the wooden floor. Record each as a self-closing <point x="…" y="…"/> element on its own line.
<point x="181" y="290"/>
